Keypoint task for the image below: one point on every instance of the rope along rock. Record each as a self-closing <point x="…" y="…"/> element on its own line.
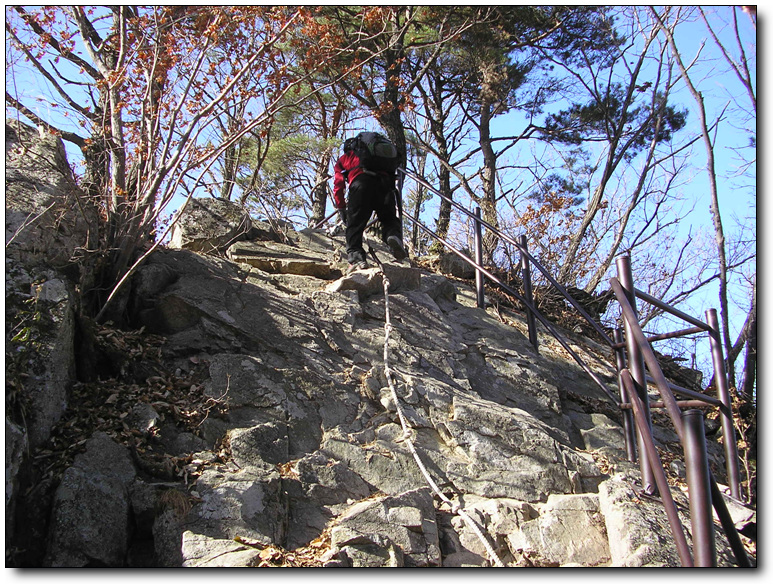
<point x="455" y="508"/>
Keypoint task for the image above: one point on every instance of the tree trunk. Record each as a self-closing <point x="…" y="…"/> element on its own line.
<point x="719" y="234"/>
<point x="390" y="116"/>
<point x="230" y="164"/>
<point x="444" y="214"/>
<point x="419" y="193"/>
<point x="488" y="202"/>
<point x="436" y="125"/>
<point x="614" y="157"/>
<point x="636" y="197"/>
<point x="319" y="193"/>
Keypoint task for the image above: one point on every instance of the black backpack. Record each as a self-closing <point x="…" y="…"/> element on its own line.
<point x="375" y="151"/>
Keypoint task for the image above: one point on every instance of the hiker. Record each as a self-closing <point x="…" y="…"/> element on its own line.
<point x="371" y="181"/>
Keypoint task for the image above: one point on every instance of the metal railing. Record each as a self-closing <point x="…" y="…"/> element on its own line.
<point x="527" y="298"/>
<point x="703" y="490"/>
<point x="633" y="357"/>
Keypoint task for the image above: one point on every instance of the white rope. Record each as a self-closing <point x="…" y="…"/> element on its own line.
<point x="455" y="508"/>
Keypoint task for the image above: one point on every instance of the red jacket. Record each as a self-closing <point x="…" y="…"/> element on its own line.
<point x="347" y="167"/>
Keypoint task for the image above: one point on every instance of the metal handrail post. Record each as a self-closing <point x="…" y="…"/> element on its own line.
<point x="528" y="293"/>
<point x="723" y="393"/>
<point x="651" y="453"/>
<point x="629" y="429"/>
<point x="649" y="357"/>
<point x="636" y="367"/>
<point x="696" y="461"/>
<point x="478" y="237"/>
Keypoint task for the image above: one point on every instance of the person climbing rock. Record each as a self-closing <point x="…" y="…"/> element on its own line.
<point x="368" y="164"/>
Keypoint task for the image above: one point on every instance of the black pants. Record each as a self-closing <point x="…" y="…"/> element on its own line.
<point x="368" y="193"/>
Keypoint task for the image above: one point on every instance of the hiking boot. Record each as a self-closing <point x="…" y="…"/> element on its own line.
<point x="396" y="247"/>
<point x="360" y="265"/>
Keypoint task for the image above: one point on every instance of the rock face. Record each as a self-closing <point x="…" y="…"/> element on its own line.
<point x="209" y="224"/>
<point x="46" y="218"/>
<point x="45" y="225"/>
<point x="316" y="455"/>
<point x="295" y="353"/>
<point x="399" y="531"/>
<point x="44" y="328"/>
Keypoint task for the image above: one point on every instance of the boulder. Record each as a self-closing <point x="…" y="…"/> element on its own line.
<point x="209" y="224"/>
<point x="744" y="516"/>
<point x="306" y="436"/>
<point x="265" y="442"/>
<point x="167" y="531"/>
<point x="398" y="531"/>
<point x="272" y="414"/>
<point x="230" y="312"/>
<point x="45" y="225"/>
<point x="319" y="489"/>
<point x="200" y="551"/>
<point x="572" y="531"/>
<point x="90" y="523"/>
<point x="452" y="265"/>
<point x="511" y="454"/>
<point x="438" y="288"/>
<point x="370" y="281"/>
<point x="506" y="522"/>
<point x="248" y="502"/>
<point x="639" y="534"/>
<point x="301" y="257"/>
<point x="381" y="461"/>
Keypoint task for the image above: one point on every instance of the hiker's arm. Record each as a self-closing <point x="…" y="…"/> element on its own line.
<point x="339" y="185"/>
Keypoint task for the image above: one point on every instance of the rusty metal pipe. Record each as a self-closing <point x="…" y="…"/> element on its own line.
<point x="597" y="327"/>
<point x="670" y="309"/>
<point x="723" y="393"/>
<point x="649" y="356"/>
<point x="478" y="232"/>
<point x="629" y="429"/>
<point x="696" y="461"/>
<point x="635" y="360"/>
<point x="692" y="403"/>
<point x="670" y="402"/>
<point x="671" y="335"/>
<point x="325" y="220"/>
<point x="690" y="393"/>
<point x="651" y="453"/>
<point x="728" y="525"/>
<point x="528" y="293"/>
<point x="693" y="330"/>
